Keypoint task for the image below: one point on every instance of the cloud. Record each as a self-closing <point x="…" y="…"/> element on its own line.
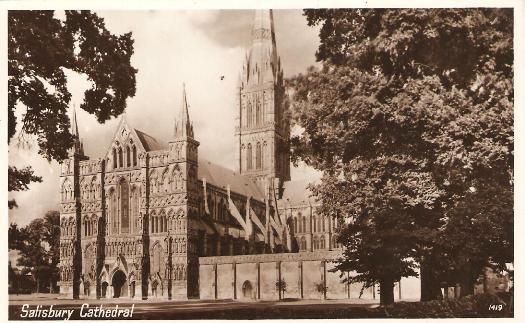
<point x="172" y="47"/>
<point x="296" y="42"/>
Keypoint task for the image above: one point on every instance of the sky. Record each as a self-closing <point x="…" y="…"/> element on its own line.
<point x="195" y="47"/>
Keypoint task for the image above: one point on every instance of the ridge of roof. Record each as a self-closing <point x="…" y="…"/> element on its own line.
<point x="221" y="176"/>
<point x="150" y="143"/>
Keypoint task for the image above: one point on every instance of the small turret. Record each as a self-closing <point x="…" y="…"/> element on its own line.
<point x="183" y="126"/>
<point x="78" y="147"/>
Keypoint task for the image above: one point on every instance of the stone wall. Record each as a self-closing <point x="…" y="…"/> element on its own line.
<point x="306" y="275"/>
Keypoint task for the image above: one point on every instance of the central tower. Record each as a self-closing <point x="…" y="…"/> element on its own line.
<point x="262" y="129"/>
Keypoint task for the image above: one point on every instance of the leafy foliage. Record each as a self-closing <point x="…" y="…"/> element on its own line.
<point x="18" y="180"/>
<point x="40" y="48"/>
<point x="410" y="120"/>
<point x="39" y="246"/>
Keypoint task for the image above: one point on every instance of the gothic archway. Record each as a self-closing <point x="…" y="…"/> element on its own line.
<point x="154" y="288"/>
<point x="104" y="289"/>
<point x="132" y="289"/>
<point x="247" y="290"/>
<point x="119" y="284"/>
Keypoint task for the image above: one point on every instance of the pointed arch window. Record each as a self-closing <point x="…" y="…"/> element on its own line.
<point x="243" y="115"/>
<point x="258" y="156"/>
<point x="128" y="156"/>
<point x="303" y="243"/>
<point x="124" y="206"/>
<point x="249" y="116"/>
<point x="120" y="160"/>
<point x="258" y="113"/>
<point x="134" y="209"/>
<point x="113" y="211"/>
<point x="249" y="156"/>
<point x="134" y="155"/>
<point x="114" y="158"/>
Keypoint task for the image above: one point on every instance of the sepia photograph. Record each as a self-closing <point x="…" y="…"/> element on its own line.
<point x="260" y="163"/>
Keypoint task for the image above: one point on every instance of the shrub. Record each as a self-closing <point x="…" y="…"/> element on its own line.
<point x="469" y="306"/>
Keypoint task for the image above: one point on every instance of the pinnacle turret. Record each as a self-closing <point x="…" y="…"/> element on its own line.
<point x="183" y="125"/>
<point x="78" y="147"/>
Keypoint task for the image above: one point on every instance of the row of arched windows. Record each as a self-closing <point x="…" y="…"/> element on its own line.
<point x="114" y="248"/>
<point x="162" y="223"/>
<point x="66" y="273"/>
<point x="166" y="182"/>
<point x="259" y="156"/>
<point x="90" y="225"/>
<point x="180" y="272"/>
<point x="253" y="113"/>
<point x="126" y="157"/>
<point x="178" y="245"/>
<point x="319" y="243"/>
<point x="67" y="227"/>
<point x="158" y="223"/>
<point x="89" y="190"/>
<point x="66" y="250"/>
<point x="319" y="224"/>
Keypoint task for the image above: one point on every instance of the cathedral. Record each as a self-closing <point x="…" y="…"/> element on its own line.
<point x="153" y="219"/>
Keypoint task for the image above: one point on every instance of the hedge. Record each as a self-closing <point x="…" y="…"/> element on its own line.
<point x="480" y="305"/>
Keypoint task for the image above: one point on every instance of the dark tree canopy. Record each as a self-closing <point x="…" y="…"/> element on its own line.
<point x="410" y="120"/>
<point x="39" y="247"/>
<point x="40" y="48"/>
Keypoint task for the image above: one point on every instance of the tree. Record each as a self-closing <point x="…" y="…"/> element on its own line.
<point x="280" y="286"/>
<point x="39" y="247"/>
<point x="410" y="120"/>
<point x="41" y="48"/>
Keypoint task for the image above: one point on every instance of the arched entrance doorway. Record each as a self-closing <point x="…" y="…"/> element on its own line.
<point x="247" y="290"/>
<point x="132" y="289"/>
<point x="86" y="288"/>
<point x="154" y="287"/>
<point x="104" y="289"/>
<point x="119" y="284"/>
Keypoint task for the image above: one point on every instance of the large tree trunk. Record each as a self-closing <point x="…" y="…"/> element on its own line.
<point x="467" y="282"/>
<point x="467" y="287"/>
<point x="386" y="292"/>
<point x="430" y="286"/>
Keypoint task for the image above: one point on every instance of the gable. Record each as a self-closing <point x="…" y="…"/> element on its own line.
<point x="125" y="136"/>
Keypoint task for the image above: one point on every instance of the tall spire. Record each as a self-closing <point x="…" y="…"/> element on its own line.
<point x="262" y="62"/>
<point x="183" y="126"/>
<point x="74" y="125"/>
<point x="77" y="144"/>
<point x="261" y="127"/>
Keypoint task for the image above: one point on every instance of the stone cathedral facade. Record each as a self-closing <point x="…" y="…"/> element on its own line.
<point x="138" y="221"/>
